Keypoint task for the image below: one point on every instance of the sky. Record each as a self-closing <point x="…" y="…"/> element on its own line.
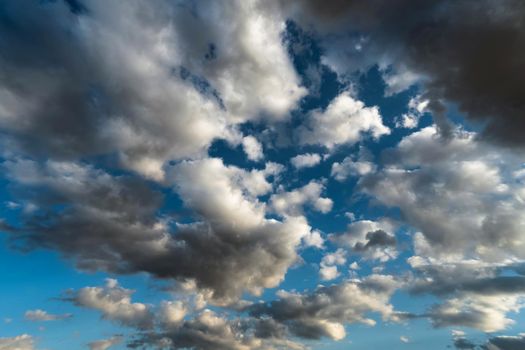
<point x="262" y="175"/>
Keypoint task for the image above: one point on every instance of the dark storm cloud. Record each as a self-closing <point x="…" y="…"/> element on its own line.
<point x="467" y="52"/>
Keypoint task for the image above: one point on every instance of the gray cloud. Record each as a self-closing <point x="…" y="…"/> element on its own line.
<point x="111" y="223"/>
<point x="506" y="342"/>
<point x="323" y="312"/>
<point x="465" y="52"/>
<point x="139" y="87"/>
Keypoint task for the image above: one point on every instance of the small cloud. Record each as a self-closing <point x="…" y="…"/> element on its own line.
<point x="41" y="315"/>
<point x="404" y="339"/>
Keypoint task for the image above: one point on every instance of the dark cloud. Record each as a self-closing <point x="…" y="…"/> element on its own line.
<point x="506" y="343"/>
<point x="466" y="52"/>
<point x="111" y="223"/>
<point x="376" y="238"/>
<point x="322" y="313"/>
<point x="464" y="344"/>
<point x="139" y="87"/>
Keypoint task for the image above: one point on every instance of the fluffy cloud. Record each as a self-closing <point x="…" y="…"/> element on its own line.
<point x="483" y="312"/>
<point x="345" y="121"/>
<point x="20" y="342"/>
<point x="457" y="192"/>
<point x="150" y="88"/>
<point x="349" y="167"/>
<point x="114" y="302"/>
<point x="292" y="203"/>
<point x="371" y="239"/>
<point x="41" y="315"/>
<point x="328" y="266"/>
<point x="417" y="106"/>
<point x="436" y="45"/>
<point x="119" y="213"/>
<point x="105" y="344"/>
<point x="306" y="160"/>
<point x="252" y="148"/>
<point x="323" y="312"/>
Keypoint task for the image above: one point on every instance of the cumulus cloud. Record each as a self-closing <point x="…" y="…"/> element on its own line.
<point x="230" y="227"/>
<point x="324" y="311"/>
<point x="483" y="312"/>
<point x="354" y="166"/>
<point x="292" y="203"/>
<point x="417" y="106"/>
<point x="443" y="45"/>
<point x="506" y="342"/>
<point x="114" y="302"/>
<point x="41" y="315"/>
<point x="457" y="193"/>
<point x="371" y="239"/>
<point x="252" y="148"/>
<point x="150" y="88"/>
<point x="345" y="121"/>
<point x="328" y="266"/>
<point x="306" y="160"/>
<point x="105" y="344"/>
<point x="20" y="342"/>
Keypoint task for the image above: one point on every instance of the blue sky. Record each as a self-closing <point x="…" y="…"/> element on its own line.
<point x="257" y="175"/>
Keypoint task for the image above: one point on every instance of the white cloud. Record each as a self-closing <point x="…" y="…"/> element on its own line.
<point x="345" y="121"/>
<point x="252" y="148"/>
<point x="20" y="342"/>
<point x="348" y="167"/>
<point x="105" y="344"/>
<point x="292" y="203"/>
<point x="41" y="315"/>
<point x="484" y="312"/>
<point x="456" y="193"/>
<point x="328" y="266"/>
<point x="167" y="84"/>
<point x="114" y="302"/>
<point x="306" y="160"/>
<point x="417" y="106"/>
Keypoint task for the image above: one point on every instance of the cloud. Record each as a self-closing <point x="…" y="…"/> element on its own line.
<point x="41" y="315"/>
<point x="149" y="88"/>
<point x="461" y="342"/>
<point x="328" y="266"/>
<point x="292" y="203"/>
<point x="444" y="45"/>
<point x="457" y="193"/>
<point x="306" y="160"/>
<point x="105" y="344"/>
<point x="483" y="312"/>
<point x="119" y="213"/>
<point x="324" y="311"/>
<point x="345" y="121"/>
<point x="506" y="342"/>
<point x="252" y="148"/>
<point x="114" y="302"/>
<point x="370" y="239"/>
<point x="417" y="107"/>
<point x="20" y="342"/>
